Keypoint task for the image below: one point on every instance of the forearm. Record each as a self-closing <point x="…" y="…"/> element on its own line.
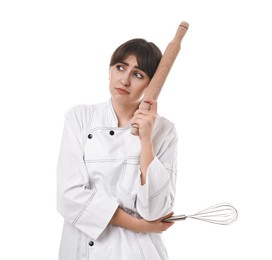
<point x="147" y="155"/>
<point x="124" y="220"/>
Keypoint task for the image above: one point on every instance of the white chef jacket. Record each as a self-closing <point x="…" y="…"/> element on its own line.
<point x="98" y="171"/>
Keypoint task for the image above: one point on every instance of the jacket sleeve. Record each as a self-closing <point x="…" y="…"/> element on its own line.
<point x="88" y="209"/>
<point x="155" y="198"/>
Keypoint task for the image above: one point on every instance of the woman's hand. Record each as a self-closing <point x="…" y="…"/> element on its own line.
<point x="145" y="119"/>
<point x="156" y="226"/>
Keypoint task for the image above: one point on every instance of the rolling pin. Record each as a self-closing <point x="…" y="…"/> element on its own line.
<point x="155" y="85"/>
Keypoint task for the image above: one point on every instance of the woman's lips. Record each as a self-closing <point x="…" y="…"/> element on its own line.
<point x="121" y="91"/>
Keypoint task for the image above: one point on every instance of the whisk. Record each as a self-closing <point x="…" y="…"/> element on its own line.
<point x="222" y="214"/>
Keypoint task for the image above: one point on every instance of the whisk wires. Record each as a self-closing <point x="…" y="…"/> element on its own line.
<point x="222" y="214"/>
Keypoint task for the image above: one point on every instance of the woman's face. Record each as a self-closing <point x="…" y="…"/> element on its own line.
<point x="127" y="82"/>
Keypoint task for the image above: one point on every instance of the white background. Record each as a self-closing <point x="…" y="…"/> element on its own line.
<point x="55" y="54"/>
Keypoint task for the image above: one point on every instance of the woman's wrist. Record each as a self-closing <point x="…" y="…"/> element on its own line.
<point x="125" y="220"/>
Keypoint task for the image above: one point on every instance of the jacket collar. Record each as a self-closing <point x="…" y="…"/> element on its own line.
<point x="111" y="118"/>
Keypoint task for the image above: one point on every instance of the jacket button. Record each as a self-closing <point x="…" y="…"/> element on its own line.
<point x="111" y="132"/>
<point x="91" y="243"/>
<point x="90" y="136"/>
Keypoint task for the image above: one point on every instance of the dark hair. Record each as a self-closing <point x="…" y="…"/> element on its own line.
<point x="148" y="55"/>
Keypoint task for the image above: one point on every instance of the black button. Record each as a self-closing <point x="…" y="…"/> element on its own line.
<point x="91" y="243"/>
<point x="90" y="136"/>
<point x="111" y="132"/>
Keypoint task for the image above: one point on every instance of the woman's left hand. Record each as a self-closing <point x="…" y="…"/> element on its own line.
<point x="145" y="119"/>
<point x="156" y="226"/>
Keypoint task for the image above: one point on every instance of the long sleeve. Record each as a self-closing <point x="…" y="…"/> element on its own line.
<point x="155" y="199"/>
<point x="81" y="204"/>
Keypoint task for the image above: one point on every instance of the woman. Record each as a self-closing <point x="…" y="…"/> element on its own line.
<point x="114" y="188"/>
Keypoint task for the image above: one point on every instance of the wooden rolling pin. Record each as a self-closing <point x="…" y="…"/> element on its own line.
<point x="162" y="71"/>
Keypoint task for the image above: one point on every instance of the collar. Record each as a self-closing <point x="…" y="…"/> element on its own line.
<point x="111" y="118"/>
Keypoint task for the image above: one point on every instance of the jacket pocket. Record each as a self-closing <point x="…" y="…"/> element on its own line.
<point x="130" y="177"/>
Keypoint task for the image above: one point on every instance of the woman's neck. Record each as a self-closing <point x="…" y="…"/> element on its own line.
<point x="124" y="113"/>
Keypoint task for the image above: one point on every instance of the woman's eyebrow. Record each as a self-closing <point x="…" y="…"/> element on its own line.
<point x="125" y="63"/>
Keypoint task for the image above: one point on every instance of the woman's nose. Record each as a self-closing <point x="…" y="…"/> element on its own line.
<point x="125" y="80"/>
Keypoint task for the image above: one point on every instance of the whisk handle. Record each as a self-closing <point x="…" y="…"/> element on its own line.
<point x="175" y="218"/>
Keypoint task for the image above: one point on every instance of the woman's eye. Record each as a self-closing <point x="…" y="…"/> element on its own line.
<point x="119" y="67"/>
<point x="138" y="75"/>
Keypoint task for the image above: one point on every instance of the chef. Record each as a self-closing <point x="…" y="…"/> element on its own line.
<point x="113" y="188"/>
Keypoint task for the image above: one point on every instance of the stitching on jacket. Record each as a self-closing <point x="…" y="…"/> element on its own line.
<point x="109" y="107"/>
<point x="154" y="195"/>
<point x="85" y="132"/>
<point x="91" y="130"/>
<point x="106" y="115"/>
<point x="139" y="245"/>
<point x="85" y="206"/>
<point x="111" y="160"/>
<point x="166" y="184"/>
<point x="159" y="191"/>
<point x="87" y="250"/>
<point x="93" y="108"/>
<point x="133" y="196"/>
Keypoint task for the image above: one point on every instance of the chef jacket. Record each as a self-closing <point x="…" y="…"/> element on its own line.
<point x="98" y="171"/>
